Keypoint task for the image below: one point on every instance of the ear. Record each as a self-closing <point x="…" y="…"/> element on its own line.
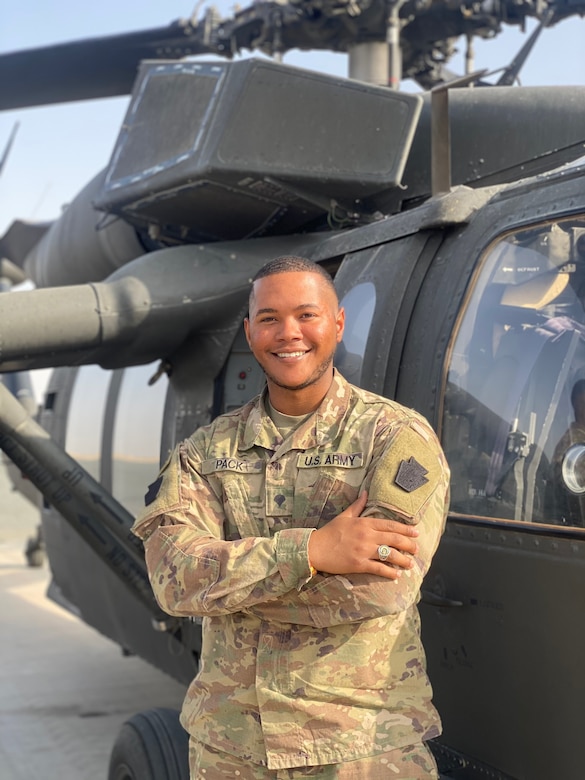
<point x="340" y="324"/>
<point x="247" y="331"/>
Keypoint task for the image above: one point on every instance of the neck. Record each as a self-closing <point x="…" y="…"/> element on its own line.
<point x="298" y="402"/>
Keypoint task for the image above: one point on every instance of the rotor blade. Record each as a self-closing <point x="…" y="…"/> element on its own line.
<point x="93" y="68"/>
<point x="510" y="74"/>
<point x="20" y="238"/>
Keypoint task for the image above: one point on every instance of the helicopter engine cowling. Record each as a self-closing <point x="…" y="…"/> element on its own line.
<point x="82" y="245"/>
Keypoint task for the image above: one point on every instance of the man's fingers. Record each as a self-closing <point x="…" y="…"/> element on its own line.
<point x="387" y="554"/>
<point x="357" y="507"/>
<point x="402" y="529"/>
<point x="354" y="543"/>
<point x="400" y="536"/>
<point x="398" y="543"/>
<point x="381" y="570"/>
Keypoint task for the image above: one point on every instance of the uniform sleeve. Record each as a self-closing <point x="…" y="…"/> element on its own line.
<point x="193" y="570"/>
<point x="408" y="482"/>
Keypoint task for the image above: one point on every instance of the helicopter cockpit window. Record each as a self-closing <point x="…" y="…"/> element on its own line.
<point x="514" y="411"/>
<point x="359" y="304"/>
<point x="137" y="435"/>
<point x="86" y="417"/>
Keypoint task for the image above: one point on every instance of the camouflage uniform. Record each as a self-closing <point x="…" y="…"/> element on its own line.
<point x="298" y="670"/>
<point x="414" y="762"/>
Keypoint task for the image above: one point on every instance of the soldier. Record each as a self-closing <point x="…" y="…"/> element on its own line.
<point x="299" y="527"/>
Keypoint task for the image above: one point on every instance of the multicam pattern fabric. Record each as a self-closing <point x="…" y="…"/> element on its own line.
<point x="297" y="670"/>
<point x="413" y="762"/>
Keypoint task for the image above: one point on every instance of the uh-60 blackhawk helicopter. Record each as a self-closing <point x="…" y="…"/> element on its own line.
<point x="453" y="223"/>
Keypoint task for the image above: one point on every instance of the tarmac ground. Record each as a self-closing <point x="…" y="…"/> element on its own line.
<point x="65" y="690"/>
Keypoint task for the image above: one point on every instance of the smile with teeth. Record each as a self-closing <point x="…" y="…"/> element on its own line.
<point x="290" y="354"/>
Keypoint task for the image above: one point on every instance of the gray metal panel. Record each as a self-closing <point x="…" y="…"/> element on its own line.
<point x="501" y="134"/>
<point x="507" y="665"/>
<point x="250" y="135"/>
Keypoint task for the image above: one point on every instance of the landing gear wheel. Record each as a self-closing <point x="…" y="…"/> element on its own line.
<point x="152" y="745"/>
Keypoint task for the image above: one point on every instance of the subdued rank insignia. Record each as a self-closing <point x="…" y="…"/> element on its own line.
<point x="411" y="475"/>
<point x="152" y="491"/>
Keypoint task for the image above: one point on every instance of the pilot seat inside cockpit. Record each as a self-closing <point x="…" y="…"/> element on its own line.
<point x="517" y="355"/>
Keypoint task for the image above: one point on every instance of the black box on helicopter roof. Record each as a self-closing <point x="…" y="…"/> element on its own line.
<point x="228" y="150"/>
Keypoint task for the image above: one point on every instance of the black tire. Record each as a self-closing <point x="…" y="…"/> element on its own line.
<point x="152" y="745"/>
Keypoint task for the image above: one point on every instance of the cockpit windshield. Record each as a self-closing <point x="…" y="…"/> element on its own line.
<point x="514" y="403"/>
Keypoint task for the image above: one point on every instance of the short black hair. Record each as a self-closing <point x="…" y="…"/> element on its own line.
<point x="287" y="263"/>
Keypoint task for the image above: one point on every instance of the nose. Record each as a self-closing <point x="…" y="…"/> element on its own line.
<point x="290" y="329"/>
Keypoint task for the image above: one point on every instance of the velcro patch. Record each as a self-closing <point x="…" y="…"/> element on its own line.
<point x="152" y="491"/>
<point x="344" y="460"/>
<point x="164" y="494"/>
<point x="232" y="464"/>
<point x="406" y="474"/>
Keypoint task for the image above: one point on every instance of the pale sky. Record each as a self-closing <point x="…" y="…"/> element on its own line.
<point x="59" y="149"/>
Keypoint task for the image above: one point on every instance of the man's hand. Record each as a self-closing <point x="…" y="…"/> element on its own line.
<point x="349" y="543"/>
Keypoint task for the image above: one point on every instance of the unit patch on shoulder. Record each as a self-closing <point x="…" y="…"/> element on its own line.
<point x="152" y="491"/>
<point x="411" y="475"/>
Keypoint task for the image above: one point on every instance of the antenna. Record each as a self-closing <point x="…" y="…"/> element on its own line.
<point x="9" y="146"/>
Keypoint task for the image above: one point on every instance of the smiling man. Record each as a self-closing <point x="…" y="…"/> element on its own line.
<point x="293" y="330"/>
<point x="300" y="527"/>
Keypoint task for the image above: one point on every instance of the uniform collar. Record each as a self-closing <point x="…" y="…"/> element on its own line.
<point x="320" y="427"/>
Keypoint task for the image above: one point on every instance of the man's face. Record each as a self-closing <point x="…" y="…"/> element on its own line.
<point x="293" y="330"/>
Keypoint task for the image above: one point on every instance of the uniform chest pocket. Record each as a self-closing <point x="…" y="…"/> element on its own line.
<point x="321" y="495"/>
<point x="237" y="484"/>
<point x="242" y="520"/>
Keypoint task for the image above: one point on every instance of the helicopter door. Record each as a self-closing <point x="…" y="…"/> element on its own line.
<point x="515" y="394"/>
<point x="503" y="618"/>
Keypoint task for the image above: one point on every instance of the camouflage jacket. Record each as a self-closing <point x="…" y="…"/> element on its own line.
<point x="297" y="670"/>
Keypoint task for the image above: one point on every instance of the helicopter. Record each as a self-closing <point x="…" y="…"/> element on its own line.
<point x="453" y="224"/>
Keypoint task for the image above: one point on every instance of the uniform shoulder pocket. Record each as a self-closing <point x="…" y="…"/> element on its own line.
<point x="165" y="494"/>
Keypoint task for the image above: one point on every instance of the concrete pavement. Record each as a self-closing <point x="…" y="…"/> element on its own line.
<point x="64" y="689"/>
